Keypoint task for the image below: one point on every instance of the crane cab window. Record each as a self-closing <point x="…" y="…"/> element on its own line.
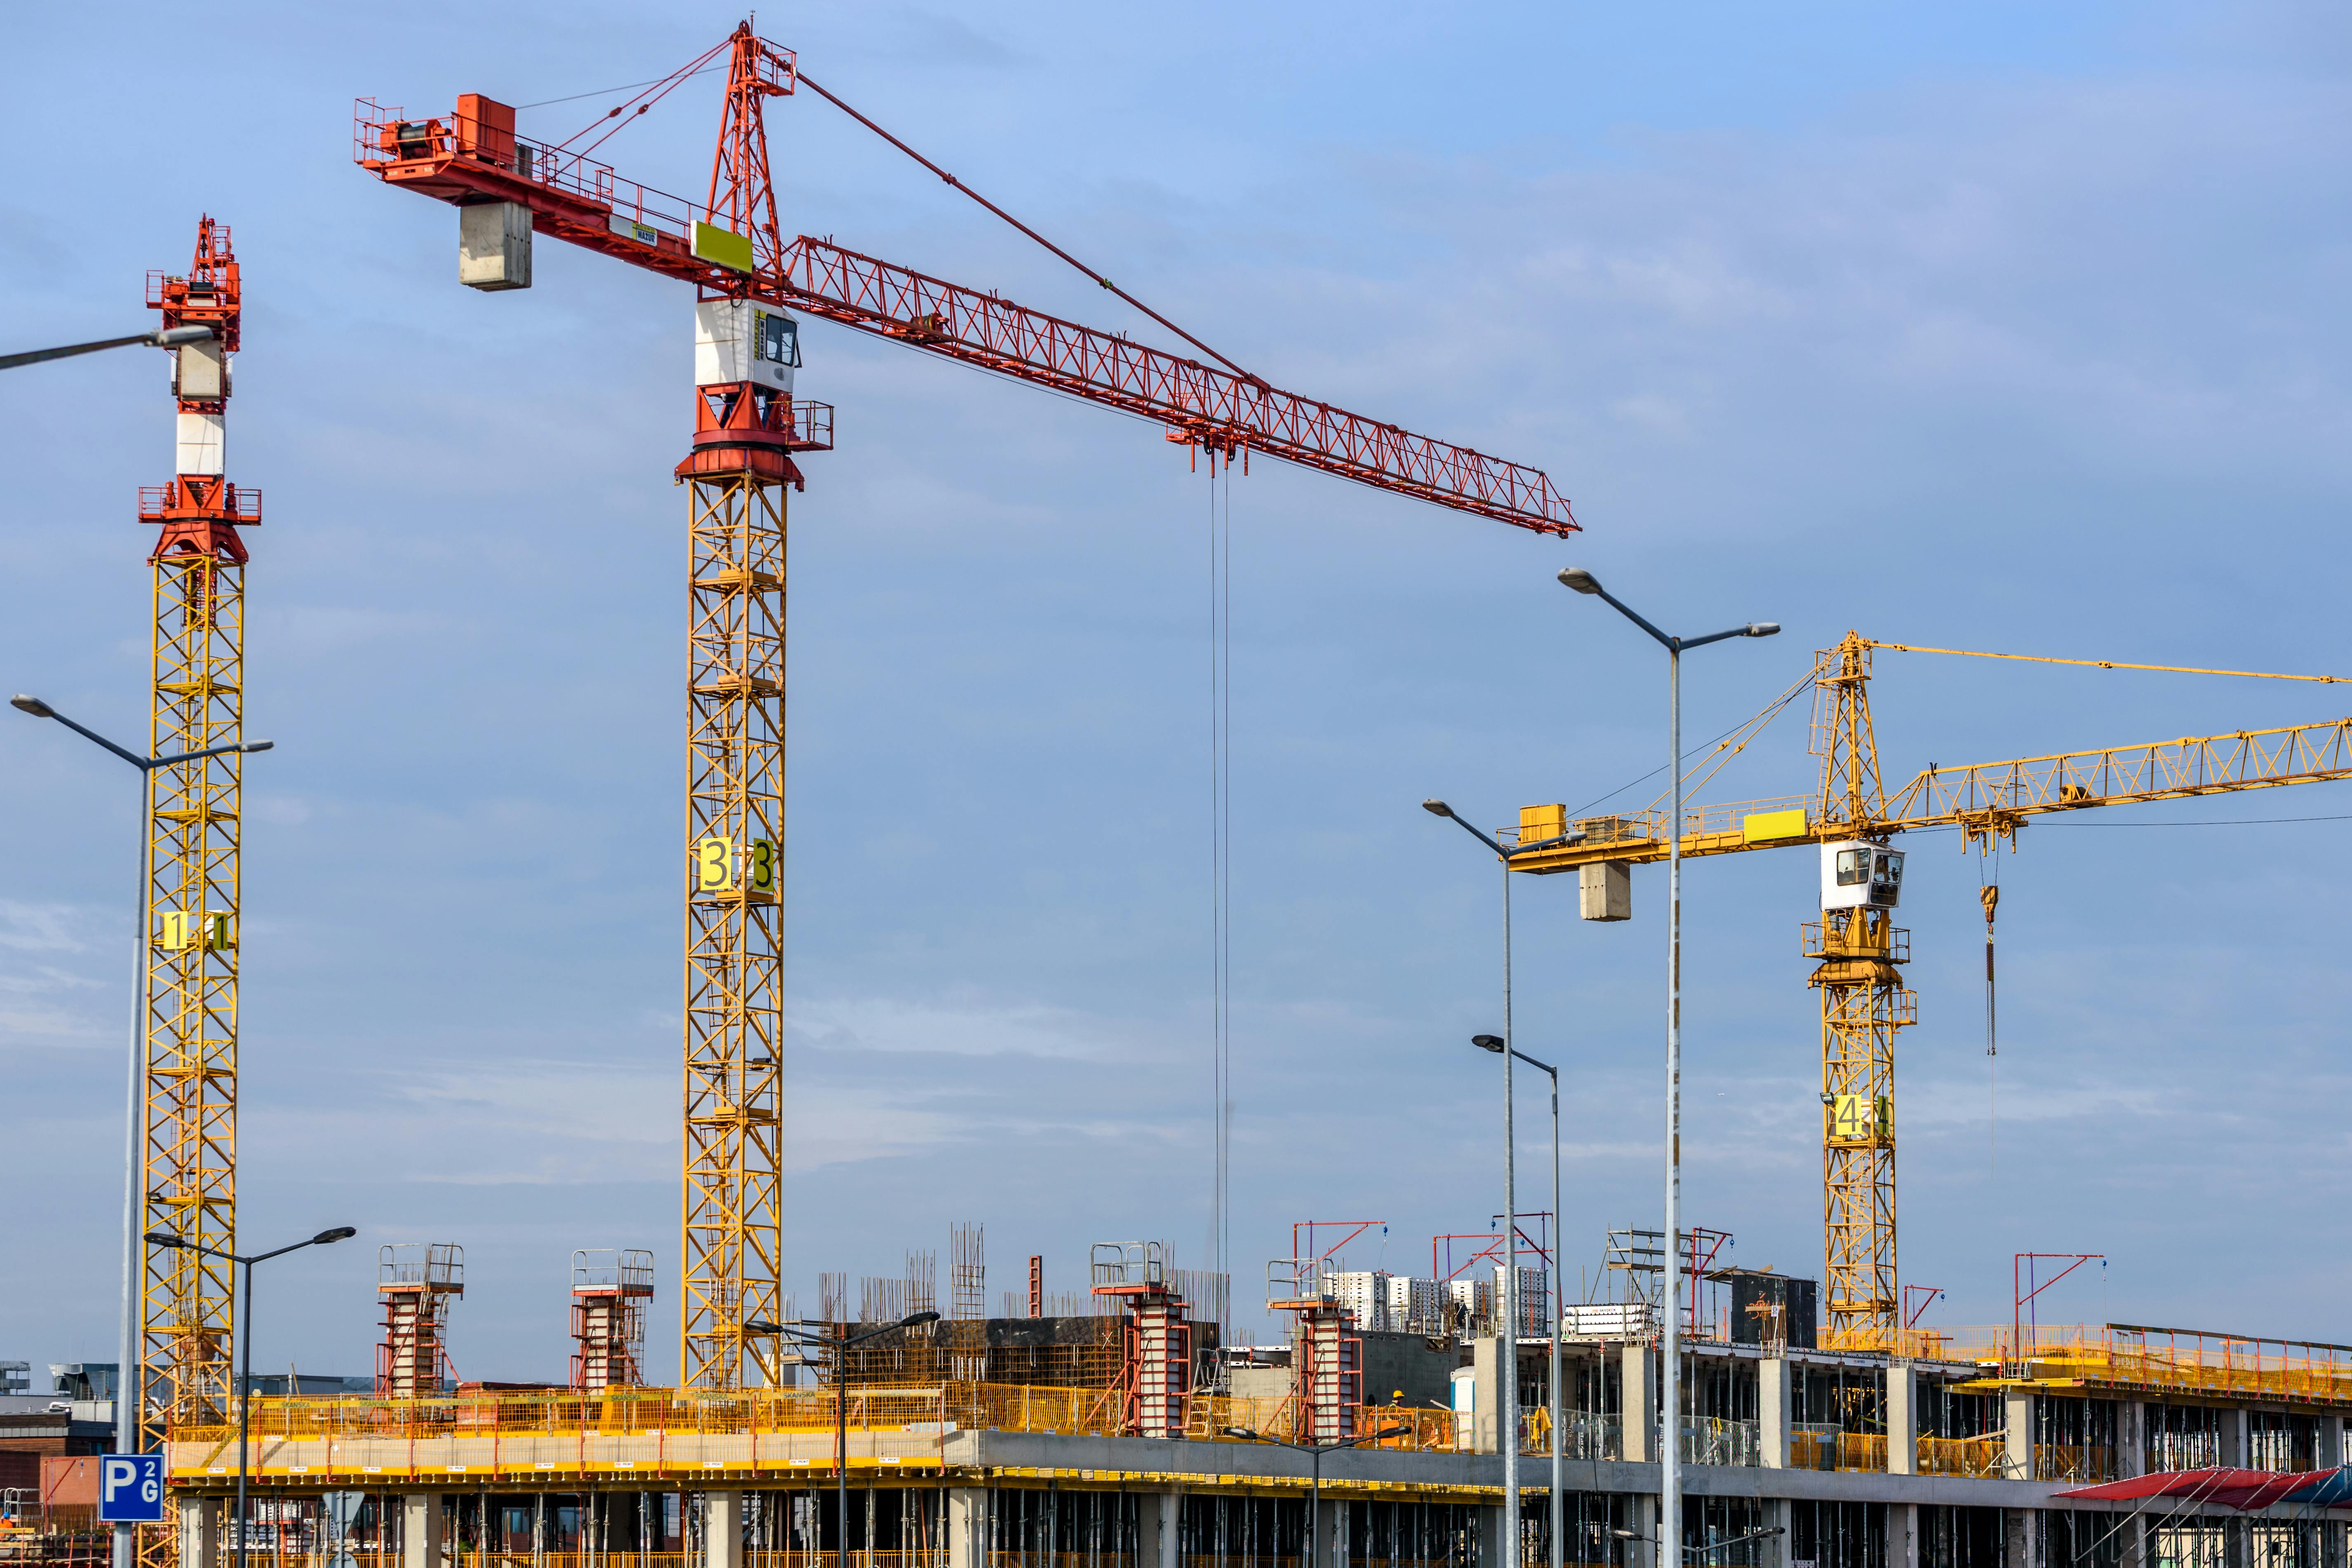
<point x="778" y="339"/>
<point x="1853" y="866"/>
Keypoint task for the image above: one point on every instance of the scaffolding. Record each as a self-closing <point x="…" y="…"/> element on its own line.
<point x="609" y="1292"/>
<point x="1156" y="1342"/>
<point x="416" y="1282"/>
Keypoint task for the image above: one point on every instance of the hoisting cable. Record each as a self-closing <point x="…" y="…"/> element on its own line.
<point x="1988" y="894"/>
<point x="830" y="97"/>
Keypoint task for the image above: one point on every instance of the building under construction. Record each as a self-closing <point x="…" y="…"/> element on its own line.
<point x="1116" y="1425"/>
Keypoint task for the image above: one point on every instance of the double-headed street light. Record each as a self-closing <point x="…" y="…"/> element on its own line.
<point x="244" y="1339"/>
<point x="1506" y="1419"/>
<point x="127" y="1392"/>
<point x="837" y="1338"/>
<point x="1494" y="1043"/>
<point x="1314" y="1452"/>
<point x="165" y="338"/>
<point x="1670" y="1449"/>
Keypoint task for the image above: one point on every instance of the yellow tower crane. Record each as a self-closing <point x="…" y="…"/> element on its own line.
<point x="1863" y="1003"/>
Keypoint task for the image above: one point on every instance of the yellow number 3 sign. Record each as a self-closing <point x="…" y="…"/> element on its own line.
<point x="715" y="865"/>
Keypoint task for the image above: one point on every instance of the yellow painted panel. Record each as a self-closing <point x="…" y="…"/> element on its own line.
<point x="1537" y="822"/>
<point x="723" y="247"/>
<point x="1763" y="826"/>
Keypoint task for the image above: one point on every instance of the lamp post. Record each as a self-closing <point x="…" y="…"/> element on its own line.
<point x="1490" y="1043"/>
<point x="1314" y="1452"/>
<point x="164" y="338"/>
<point x="1670" y="1449"/>
<point x="1506" y="1419"/>
<point x="128" y="1393"/>
<point x="243" y="1342"/>
<point x="807" y="1336"/>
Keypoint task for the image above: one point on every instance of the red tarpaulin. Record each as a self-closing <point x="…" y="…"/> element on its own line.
<point x="2242" y="1489"/>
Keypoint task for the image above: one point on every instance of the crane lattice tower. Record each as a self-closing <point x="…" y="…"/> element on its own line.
<point x="194" y="833"/>
<point x="1863" y="1005"/>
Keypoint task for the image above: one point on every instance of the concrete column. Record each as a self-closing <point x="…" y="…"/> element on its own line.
<point x="722" y="1530"/>
<point x="1772" y="1408"/>
<point x="967" y="1528"/>
<point x="1158" y="1516"/>
<point x="1902" y="1533"/>
<point x="2233" y="1437"/>
<point x="2131" y="1540"/>
<point x="1330" y="1546"/>
<point x="2023" y="1539"/>
<point x="2017" y="1409"/>
<point x="1777" y="1548"/>
<point x="200" y="1522"/>
<point x="1637" y="1405"/>
<point x="1485" y="1394"/>
<point x="1493" y="1548"/>
<point x="420" y="1530"/>
<point x="1902" y="1428"/>
<point x="2331" y="1441"/>
<point x="2131" y="1440"/>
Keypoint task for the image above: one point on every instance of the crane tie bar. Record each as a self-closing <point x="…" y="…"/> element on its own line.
<point x="804" y="80"/>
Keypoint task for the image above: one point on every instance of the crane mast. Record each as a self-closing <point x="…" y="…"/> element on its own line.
<point x="194" y="825"/>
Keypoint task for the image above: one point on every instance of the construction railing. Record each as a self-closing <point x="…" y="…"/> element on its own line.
<point x="1982" y="1457"/>
<point x="2079" y="1462"/>
<point x="934" y="1409"/>
<point x="2128" y="1355"/>
<point x="1821" y="1446"/>
<point x="1716" y="1442"/>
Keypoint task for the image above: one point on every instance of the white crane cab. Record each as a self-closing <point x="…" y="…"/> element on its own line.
<point x="1857" y="875"/>
<point x="737" y="340"/>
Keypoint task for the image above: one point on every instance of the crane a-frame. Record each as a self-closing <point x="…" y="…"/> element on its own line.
<point x="748" y="430"/>
<point x="1856" y="944"/>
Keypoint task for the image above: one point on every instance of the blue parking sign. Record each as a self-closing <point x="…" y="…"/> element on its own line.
<point x="131" y="1489"/>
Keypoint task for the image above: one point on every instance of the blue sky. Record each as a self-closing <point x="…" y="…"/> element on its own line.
<point x="2015" y="328"/>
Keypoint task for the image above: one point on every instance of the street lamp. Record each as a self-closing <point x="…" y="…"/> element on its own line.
<point x="244" y="1343"/>
<point x="1670" y="1451"/>
<point x="166" y="338"/>
<point x="1506" y="1419"/>
<point x="807" y="1336"/>
<point x="1314" y="1452"/>
<point x="1493" y="1043"/>
<point x="127" y="1392"/>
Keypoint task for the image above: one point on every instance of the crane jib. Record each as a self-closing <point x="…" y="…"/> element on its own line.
<point x="587" y="203"/>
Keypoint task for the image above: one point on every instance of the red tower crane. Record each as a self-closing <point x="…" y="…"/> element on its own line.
<point x="748" y="429"/>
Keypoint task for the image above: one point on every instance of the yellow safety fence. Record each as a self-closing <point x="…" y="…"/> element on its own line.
<point x="665" y="1429"/>
<point x="2132" y="1356"/>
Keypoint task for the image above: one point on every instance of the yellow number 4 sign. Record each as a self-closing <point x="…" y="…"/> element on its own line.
<point x="1859" y="1117"/>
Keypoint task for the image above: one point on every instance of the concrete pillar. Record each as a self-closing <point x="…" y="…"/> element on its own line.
<point x="1494" y="1547"/>
<point x="1772" y="1411"/>
<point x="2131" y="1440"/>
<point x="1777" y="1548"/>
<point x="2131" y="1539"/>
<point x="2330" y="1452"/>
<point x="722" y="1530"/>
<point x="1637" y="1405"/>
<point x="2017" y="1410"/>
<point x="1158" y="1516"/>
<point x="967" y="1527"/>
<point x="2018" y="1524"/>
<point x="200" y="1522"/>
<point x="2233" y="1439"/>
<point x="420" y="1530"/>
<point x="1902" y="1428"/>
<point x="1902" y="1532"/>
<point x="1330" y="1545"/>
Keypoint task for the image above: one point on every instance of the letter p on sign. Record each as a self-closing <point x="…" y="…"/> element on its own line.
<point x="131" y="1489"/>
